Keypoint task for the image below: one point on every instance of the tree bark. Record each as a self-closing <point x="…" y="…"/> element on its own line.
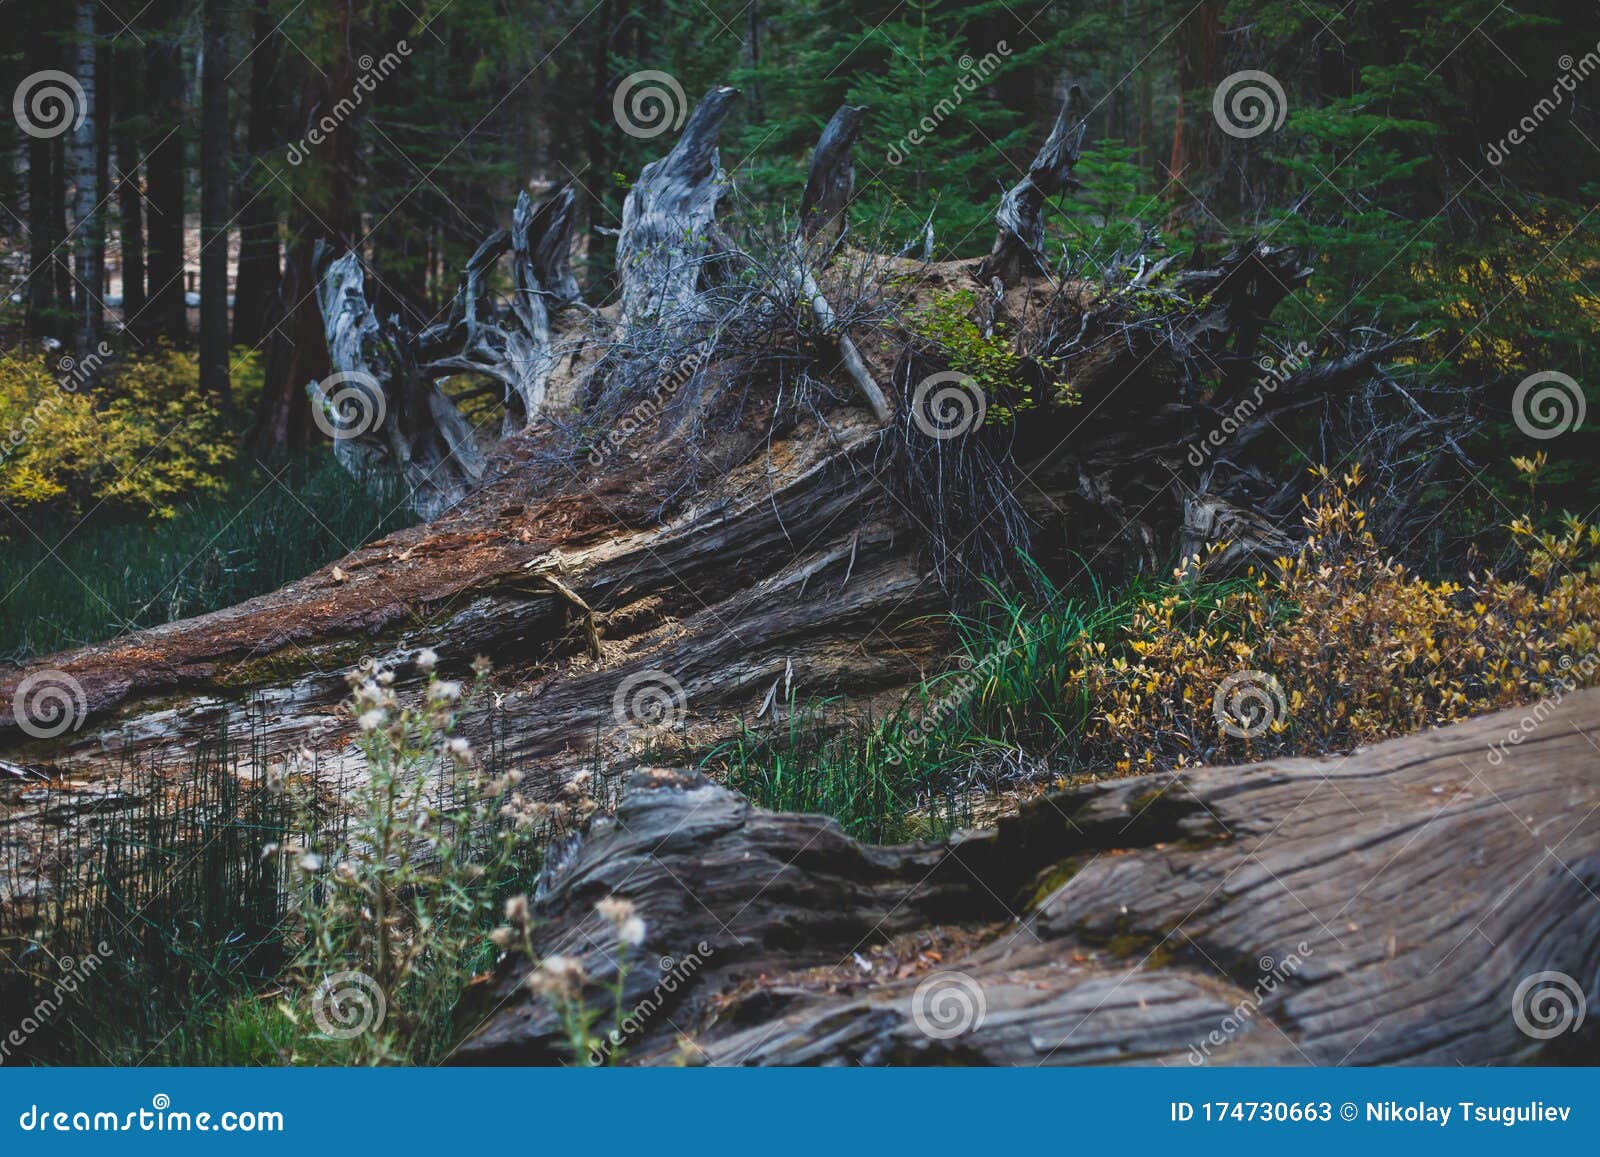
<point x="1019" y="238"/>
<point x="88" y="222"/>
<point x="1381" y="908"/>
<point x="257" y="210"/>
<point x="669" y="219"/>
<point x="214" y="190"/>
<point x="165" y="313"/>
<point x="130" y="192"/>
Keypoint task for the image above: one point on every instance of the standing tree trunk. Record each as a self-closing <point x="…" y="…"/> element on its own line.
<point x="214" y="206"/>
<point x="88" y="244"/>
<point x="60" y="248"/>
<point x="324" y="211"/>
<point x="1197" y="41"/>
<point x="258" y="215"/>
<point x="130" y="198"/>
<point x="166" y="314"/>
<point x="41" y="277"/>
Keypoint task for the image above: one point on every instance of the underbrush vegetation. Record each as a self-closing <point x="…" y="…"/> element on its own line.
<point x="274" y="910"/>
<point x="124" y="501"/>
<point x="64" y="583"/>
<point x="284" y="911"/>
<point x="1332" y="647"/>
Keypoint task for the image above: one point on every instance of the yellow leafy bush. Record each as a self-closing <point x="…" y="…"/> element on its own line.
<point x="1339" y="646"/>
<point x="141" y="439"/>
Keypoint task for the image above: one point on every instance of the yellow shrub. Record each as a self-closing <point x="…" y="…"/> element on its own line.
<point x="139" y="441"/>
<point x="1339" y="646"/>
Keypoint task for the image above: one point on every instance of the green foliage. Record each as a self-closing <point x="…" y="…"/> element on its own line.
<point x="389" y="912"/>
<point x="990" y="360"/>
<point x="142" y="441"/>
<point x="62" y="585"/>
<point x="913" y="774"/>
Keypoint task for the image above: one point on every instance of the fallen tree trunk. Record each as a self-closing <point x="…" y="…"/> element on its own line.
<point x="1430" y="900"/>
<point x="815" y="553"/>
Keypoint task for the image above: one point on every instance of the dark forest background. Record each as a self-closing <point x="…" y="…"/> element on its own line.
<point x="181" y="218"/>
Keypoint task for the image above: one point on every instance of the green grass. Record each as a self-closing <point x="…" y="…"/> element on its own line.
<point x="63" y="586"/>
<point x="914" y="773"/>
<point x="188" y="923"/>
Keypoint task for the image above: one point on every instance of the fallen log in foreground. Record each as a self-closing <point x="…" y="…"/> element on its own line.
<point x="1430" y="900"/>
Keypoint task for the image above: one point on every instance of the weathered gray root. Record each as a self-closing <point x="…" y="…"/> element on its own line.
<point x="669" y="219"/>
<point x="830" y="187"/>
<point x="383" y="413"/>
<point x="1386" y="907"/>
<point x="1019" y="237"/>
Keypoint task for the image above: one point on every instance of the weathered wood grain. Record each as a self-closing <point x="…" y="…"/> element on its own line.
<point x="1380" y="908"/>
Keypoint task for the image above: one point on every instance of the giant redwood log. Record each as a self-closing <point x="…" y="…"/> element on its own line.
<point x="816" y="556"/>
<point x="1430" y="900"/>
